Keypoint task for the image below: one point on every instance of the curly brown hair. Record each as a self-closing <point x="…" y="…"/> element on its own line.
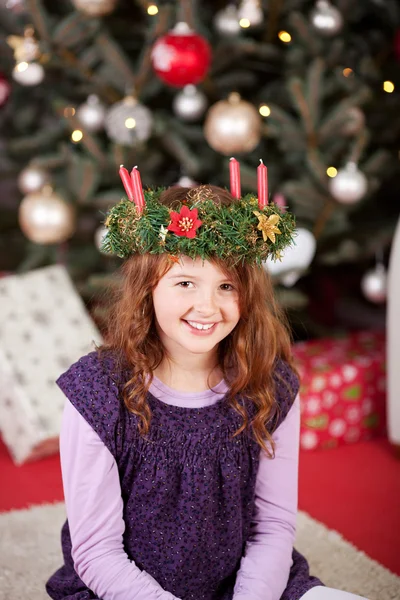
<point x="246" y="356"/>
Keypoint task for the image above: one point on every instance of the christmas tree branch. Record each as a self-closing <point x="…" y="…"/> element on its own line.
<point x="323" y="218"/>
<point x="87" y="140"/>
<point x="145" y="70"/>
<point x="37" y="11"/>
<point x="360" y="144"/>
<point x="274" y="9"/>
<point x="314" y="80"/>
<point x="295" y="86"/>
<point x="186" y="13"/>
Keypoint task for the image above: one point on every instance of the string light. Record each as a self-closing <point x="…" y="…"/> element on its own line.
<point x="22" y="66"/>
<point x="284" y="36"/>
<point x="69" y="111"/>
<point x="130" y="123"/>
<point x="264" y="110"/>
<point x="244" y="23"/>
<point x="347" y="72"/>
<point x="331" y="172"/>
<point x="388" y="86"/>
<point x="76" y="135"/>
<point x="152" y="9"/>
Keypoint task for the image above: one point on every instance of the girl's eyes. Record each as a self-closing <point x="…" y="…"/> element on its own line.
<point x="226" y="287"/>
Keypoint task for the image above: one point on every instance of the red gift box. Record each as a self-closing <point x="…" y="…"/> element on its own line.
<point x="343" y="389"/>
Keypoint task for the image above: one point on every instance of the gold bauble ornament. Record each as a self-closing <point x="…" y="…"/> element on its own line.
<point x="233" y="126"/>
<point x="95" y="8"/>
<point x="45" y="218"/>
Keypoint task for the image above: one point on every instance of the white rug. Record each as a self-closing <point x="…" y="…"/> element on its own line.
<point x="30" y="552"/>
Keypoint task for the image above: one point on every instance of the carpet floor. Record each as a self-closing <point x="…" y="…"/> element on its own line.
<point x="30" y="552"/>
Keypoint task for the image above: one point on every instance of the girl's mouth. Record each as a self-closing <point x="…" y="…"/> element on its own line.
<point x="201" y="329"/>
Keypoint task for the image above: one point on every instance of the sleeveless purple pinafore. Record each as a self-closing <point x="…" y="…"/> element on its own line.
<point x="188" y="487"/>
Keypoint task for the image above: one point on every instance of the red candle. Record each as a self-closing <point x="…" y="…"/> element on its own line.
<point x="126" y="180"/>
<point x="234" y="172"/>
<point x="262" y="184"/>
<point x="138" y="195"/>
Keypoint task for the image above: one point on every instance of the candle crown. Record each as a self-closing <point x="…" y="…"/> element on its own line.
<point x="200" y="226"/>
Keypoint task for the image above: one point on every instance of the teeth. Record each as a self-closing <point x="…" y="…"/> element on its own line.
<point x="200" y="326"/>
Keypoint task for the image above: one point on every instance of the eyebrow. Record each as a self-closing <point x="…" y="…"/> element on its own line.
<point x="183" y="275"/>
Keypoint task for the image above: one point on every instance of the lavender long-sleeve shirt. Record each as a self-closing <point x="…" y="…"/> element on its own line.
<point x="95" y="509"/>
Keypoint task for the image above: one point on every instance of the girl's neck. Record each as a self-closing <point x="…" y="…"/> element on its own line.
<point x="184" y="379"/>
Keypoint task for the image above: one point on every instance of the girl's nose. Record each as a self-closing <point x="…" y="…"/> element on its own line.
<point x="206" y="303"/>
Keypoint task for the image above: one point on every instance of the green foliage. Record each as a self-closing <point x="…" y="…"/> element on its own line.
<point x="227" y="232"/>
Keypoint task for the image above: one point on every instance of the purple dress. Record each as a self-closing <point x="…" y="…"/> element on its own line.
<point x="188" y="487"/>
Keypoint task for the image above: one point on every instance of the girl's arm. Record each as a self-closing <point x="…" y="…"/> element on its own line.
<point x="94" y="508"/>
<point x="265" y="566"/>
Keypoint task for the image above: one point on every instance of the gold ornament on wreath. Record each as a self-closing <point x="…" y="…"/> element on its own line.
<point x="233" y="126"/>
<point x="45" y="218"/>
<point x="95" y="8"/>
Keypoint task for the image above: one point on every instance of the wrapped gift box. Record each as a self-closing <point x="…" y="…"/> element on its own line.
<point x="44" y="328"/>
<point x="343" y="389"/>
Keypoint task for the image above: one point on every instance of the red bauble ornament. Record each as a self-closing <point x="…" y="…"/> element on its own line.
<point x="181" y="57"/>
<point x="5" y="89"/>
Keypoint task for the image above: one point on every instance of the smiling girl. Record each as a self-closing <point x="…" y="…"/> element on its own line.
<point x="180" y="436"/>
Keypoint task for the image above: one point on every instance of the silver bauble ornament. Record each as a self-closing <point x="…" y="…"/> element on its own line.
<point x="92" y="114"/>
<point x="128" y="122"/>
<point x="295" y="260"/>
<point x="28" y="73"/>
<point x="349" y="185"/>
<point x="95" y="8"/>
<point x="45" y="218"/>
<point x="32" y="179"/>
<point x="99" y="236"/>
<point x="186" y="181"/>
<point x="190" y="103"/>
<point x="374" y="284"/>
<point x="252" y="11"/>
<point x="226" y="21"/>
<point x="326" y="18"/>
<point x="233" y="126"/>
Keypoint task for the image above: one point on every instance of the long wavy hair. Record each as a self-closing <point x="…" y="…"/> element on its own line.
<point x="246" y="356"/>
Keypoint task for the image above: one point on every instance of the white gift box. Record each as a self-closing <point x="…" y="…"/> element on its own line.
<point x="44" y="328"/>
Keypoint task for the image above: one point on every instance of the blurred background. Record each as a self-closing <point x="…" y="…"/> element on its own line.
<point x="311" y="87"/>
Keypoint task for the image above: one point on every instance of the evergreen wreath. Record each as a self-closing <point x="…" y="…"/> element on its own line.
<point x="240" y="232"/>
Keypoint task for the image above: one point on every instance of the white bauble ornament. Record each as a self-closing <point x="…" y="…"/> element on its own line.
<point x="295" y="259"/>
<point x="45" y="218"/>
<point x="326" y="18"/>
<point x="185" y="181"/>
<point x="99" y="236"/>
<point x="95" y="8"/>
<point x="190" y="103"/>
<point x="92" y="114"/>
<point x="252" y="11"/>
<point x="349" y="185"/>
<point x="374" y="284"/>
<point x="233" y="126"/>
<point x="128" y="122"/>
<point x="226" y="21"/>
<point x="32" y="179"/>
<point x="28" y="73"/>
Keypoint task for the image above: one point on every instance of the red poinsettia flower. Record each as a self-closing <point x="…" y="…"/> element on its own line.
<point x="184" y="223"/>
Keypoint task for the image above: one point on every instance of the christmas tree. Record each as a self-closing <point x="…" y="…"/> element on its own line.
<point x="178" y="88"/>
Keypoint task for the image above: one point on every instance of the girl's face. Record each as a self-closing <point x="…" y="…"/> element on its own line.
<point x="195" y="306"/>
